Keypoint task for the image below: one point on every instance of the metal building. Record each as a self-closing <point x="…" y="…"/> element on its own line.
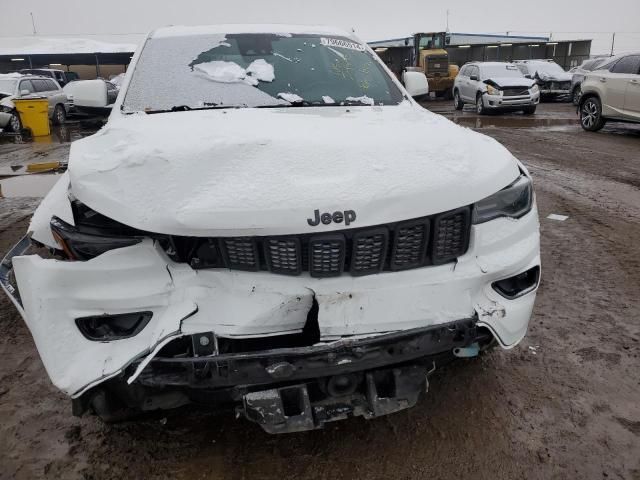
<point x="467" y="47"/>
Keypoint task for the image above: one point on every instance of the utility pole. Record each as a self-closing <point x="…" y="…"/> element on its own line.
<point x="613" y="42"/>
<point x="447" y="30"/>
<point x="33" y="23"/>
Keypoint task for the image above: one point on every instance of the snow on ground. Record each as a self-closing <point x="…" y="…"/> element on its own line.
<point x="328" y="99"/>
<point x="42" y="45"/>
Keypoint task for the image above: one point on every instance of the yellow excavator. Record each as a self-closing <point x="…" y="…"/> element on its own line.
<point x="428" y="54"/>
<point x="431" y="57"/>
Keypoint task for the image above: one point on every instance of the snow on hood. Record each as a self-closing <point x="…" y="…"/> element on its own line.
<point x="554" y="72"/>
<point x="510" y="81"/>
<point x="558" y="77"/>
<point x="264" y="171"/>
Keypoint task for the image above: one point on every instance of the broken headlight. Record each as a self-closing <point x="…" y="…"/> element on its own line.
<point x="513" y="201"/>
<point x="491" y="90"/>
<point x="87" y="244"/>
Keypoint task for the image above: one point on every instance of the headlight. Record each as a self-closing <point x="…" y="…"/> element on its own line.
<point x="493" y="90"/>
<point x="513" y="201"/>
<point x="5" y="109"/>
<point x="79" y="245"/>
<point x="535" y="88"/>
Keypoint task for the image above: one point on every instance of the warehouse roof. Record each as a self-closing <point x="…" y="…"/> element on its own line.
<point x="34" y="45"/>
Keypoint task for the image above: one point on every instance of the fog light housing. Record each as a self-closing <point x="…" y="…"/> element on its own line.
<point x="105" y="328"/>
<point x="518" y="285"/>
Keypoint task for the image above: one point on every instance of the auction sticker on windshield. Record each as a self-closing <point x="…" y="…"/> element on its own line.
<point x="336" y="42"/>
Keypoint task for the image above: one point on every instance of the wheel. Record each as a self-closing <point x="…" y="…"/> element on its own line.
<point x="529" y="110"/>
<point x="480" y="105"/>
<point x="59" y="115"/>
<point x="591" y="117"/>
<point x="457" y="101"/>
<point x="576" y="94"/>
<point x="14" y="122"/>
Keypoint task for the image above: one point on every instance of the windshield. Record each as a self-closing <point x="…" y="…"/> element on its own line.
<point x="7" y="86"/>
<point x="501" y="71"/>
<point x="254" y="70"/>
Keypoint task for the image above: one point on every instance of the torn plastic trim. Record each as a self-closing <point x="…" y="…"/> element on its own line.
<point x="6" y="268"/>
<point x="149" y="354"/>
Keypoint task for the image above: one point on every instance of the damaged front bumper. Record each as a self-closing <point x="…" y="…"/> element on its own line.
<point x="296" y="389"/>
<point x="233" y="306"/>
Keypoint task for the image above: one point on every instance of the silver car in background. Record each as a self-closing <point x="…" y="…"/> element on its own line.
<point x="495" y="86"/>
<point x="14" y="86"/>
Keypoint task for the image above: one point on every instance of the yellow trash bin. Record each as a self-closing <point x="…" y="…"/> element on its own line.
<point x="34" y="115"/>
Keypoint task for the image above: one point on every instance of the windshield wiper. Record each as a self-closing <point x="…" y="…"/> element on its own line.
<point x="350" y="103"/>
<point x="186" y="108"/>
<point x="295" y="103"/>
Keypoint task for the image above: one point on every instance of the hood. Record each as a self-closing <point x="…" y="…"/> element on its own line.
<point x="555" y="77"/>
<point x="510" y="82"/>
<point x="265" y="171"/>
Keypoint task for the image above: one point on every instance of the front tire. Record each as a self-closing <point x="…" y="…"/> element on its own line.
<point x="529" y="110"/>
<point x="576" y="94"/>
<point x="59" y="115"/>
<point x="458" y="104"/>
<point x="15" y="125"/>
<point x="480" y="110"/>
<point x="591" y="118"/>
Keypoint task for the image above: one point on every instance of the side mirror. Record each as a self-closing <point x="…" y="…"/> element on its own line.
<point x="24" y="92"/>
<point x="87" y="93"/>
<point x="415" y="83"/>
<point x="475" y="78"/>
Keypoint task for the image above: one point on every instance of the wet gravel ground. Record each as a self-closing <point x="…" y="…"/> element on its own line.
<point x="563" y="404"/>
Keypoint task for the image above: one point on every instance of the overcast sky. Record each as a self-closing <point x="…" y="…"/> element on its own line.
<point x="126" y="20"/>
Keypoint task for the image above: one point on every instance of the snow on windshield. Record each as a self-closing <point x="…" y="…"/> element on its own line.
<point x="256" y="70"/>
<point x="501" y="71"/>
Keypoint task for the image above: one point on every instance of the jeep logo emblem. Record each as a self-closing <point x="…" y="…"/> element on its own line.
<point x="348" y="216"/>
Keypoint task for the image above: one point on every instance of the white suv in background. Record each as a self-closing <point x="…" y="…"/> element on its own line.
<point x="612" y="93"/>
<point x="493" y="86"/>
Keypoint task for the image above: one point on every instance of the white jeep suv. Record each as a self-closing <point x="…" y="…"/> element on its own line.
<point x="269" y="220"/>
<point x="611" y="93"/>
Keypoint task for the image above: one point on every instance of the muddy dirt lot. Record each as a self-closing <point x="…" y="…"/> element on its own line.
<point x="563" y="404"/>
